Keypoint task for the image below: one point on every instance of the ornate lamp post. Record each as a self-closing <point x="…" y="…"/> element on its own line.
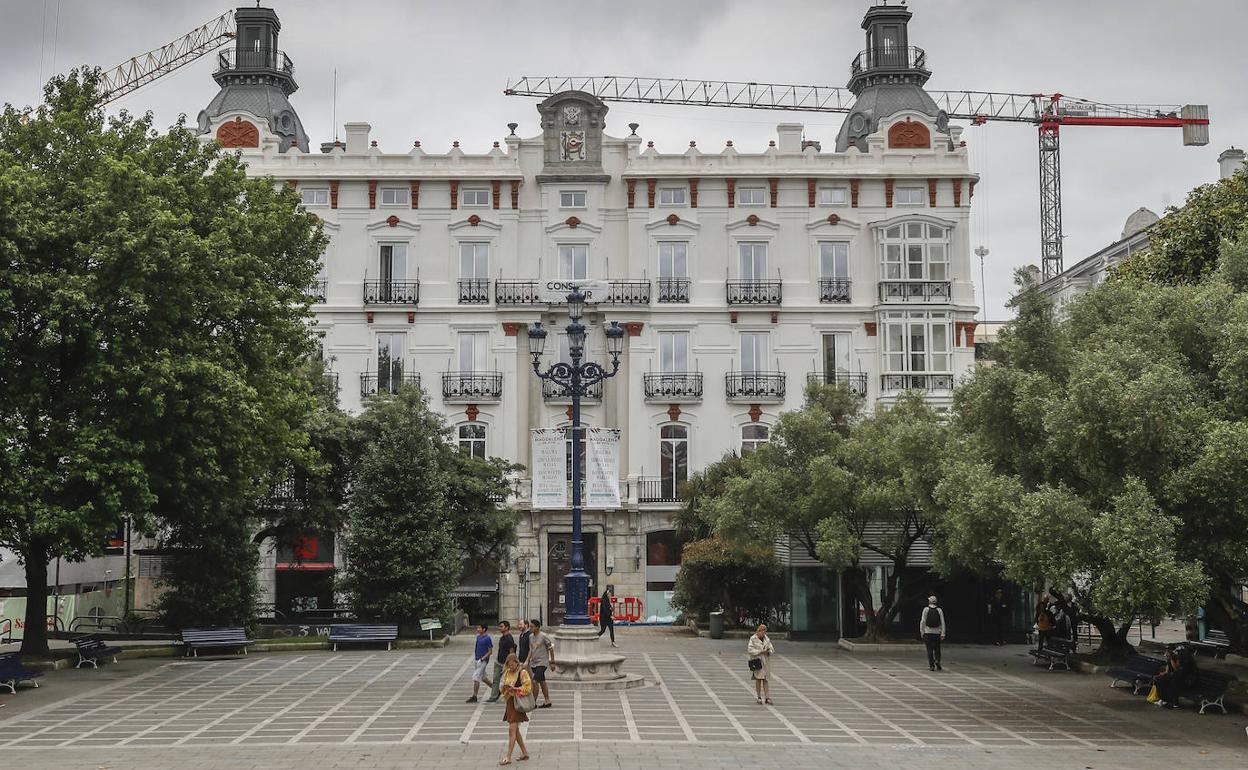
<point x="574" y="378"/>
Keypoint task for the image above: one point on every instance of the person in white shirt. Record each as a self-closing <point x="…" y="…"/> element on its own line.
<point x="932" y="629"/>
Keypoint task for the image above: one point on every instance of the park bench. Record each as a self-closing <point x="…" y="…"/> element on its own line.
<point x="12" y="672"/>
<point x="363" y="633"/>
<point x="92" y="649"/>
<point x="196" y="639"/>
<point x="1054" y="652"/>
<point x="1138" y="672"/>
<point x="1208" y="690"/>
<point x="1216" y="643"/>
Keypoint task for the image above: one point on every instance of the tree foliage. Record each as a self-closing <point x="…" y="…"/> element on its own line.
<point x="153" y="317"/>
<point x="744" y="583"/>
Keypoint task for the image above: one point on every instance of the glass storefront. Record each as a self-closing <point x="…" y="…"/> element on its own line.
<point x="814" y="600"/>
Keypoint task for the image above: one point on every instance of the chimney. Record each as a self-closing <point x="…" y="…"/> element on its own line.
<point x="790" y="135"/>
<point x="1230" y="161"/>
<point x="357" y="138"/>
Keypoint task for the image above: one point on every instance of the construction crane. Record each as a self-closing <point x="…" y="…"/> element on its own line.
<point x="1048" y="112"/>
<point x="133" y="74"/>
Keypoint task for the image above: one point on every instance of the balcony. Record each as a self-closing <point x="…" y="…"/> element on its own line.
<point x="673" y="387"/>
<point x="553" y="393"/>
<point x="318" y="291"/>
<point x="289" y="492"/>
<point x="893" y="383"/>
<point x="371" y="384"/>
<point x="629" y="293"/>
<point x="471" y="387"/>
<point x="674" y="289"/>
<point x="516" y="293"/>
<point x="234" y="60"/>
<point x="914" y="291"/>
<point x="834" y="289"/>
<point x="755" y="387"/>
<point x="855" y="381"/>
<point x="660" y="490"/>
<point x="754" y="292"/>
<point x="474" y="291"/>
<point x="391" y="292"/>
<point x="892" y="58"/>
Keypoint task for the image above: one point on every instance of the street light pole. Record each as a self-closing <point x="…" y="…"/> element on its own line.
<point x="574" y="378"/>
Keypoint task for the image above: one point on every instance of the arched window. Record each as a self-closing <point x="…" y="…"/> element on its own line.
<point x="753" y="436"/>
<point x="472" y="439"/>
<point x="673" y="460"/>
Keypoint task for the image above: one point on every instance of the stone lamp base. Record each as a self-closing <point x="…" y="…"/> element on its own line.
<point x="581" y="664"/>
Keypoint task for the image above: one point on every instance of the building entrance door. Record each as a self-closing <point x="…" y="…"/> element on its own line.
<point x="559" y="564"/>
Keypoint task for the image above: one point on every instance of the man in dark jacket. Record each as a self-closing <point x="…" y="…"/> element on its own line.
<point x="506" y="646"/>
<point x="999" y="616"/>
<point x="606" y="612"/>
<point x="522" y="645"/>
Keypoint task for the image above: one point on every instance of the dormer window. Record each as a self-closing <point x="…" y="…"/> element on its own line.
<point x="673" y="196"/>
<point x="478" y="198"/>
<point x="572" y="199"/>
<point x="315" y="196"/>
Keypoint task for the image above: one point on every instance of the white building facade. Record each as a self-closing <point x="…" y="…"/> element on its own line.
<point x="739" y="273"/>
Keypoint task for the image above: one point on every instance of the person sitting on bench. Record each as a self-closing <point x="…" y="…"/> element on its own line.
<point x="1180" y="673"/>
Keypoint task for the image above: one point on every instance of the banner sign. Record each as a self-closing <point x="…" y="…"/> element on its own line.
<point x="602" y="472"/>
<point x="550" y="468"/>
<point x="556" y="291"/>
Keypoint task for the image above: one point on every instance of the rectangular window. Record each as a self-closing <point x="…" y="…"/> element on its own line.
<point x="572" y="199"/>
<point x="392" y="261"/>
<point x="908" y="195"/>
<point x="673" y="352"/>
<point x="916" y="251"/>
<point x="834" y="260"/>
<point x="573" y="261"/>
<point x="394" y="196"/>
<point x="836" y="353"/>
<point x="833" y="196"/>
<point x="474" y="198"/>
<point x="472" y="439"/>
<point x="672" y="196"/>
<point x="753" y="261"/>
<point x="753" y="351"/>
<point x="673" y="259"/>
<point x="390" y="350"/>
<point x="315" y="196"/>
<point x="751" y="196"/>
<point x="474" y="351"/>
<point x="474" y="261"/>
<point x="918" y="342"/>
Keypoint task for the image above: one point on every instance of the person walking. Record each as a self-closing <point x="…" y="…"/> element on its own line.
<point x="541" y="657"/>
<point x="522" y="642"/>
<point x="606" y="612"/>
<point x="760" y="650"/>
<point x="481" y="659"/>
<point x="999" y="617"/>
<point x="506" y="646"/>
<point x="516" y="683"/>
<point x="932" y="629"/>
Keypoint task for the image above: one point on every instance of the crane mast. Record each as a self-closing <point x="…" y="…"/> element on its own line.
<point x="138" y="71"/>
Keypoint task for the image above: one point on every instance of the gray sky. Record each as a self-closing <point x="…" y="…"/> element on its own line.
<point x="435" y="71"/>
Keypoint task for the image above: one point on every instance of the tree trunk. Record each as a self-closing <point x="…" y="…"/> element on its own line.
<point x="1114" y="642"/>
<point x="35" y="634"/>
<point x="1228" y="612"/>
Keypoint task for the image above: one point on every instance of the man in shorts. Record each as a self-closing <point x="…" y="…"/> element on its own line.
<point x="541" y="658"/>
<point x="481" y="660"/>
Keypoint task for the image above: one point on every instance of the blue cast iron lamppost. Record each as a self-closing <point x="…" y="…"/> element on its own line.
<point x="574" y="379"/>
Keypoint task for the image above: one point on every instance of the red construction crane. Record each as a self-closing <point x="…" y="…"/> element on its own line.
<point x="888" y="59"/>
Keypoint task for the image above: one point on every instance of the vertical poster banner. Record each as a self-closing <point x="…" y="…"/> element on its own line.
<point x="550" y="473"/>
<point x="602" y="458"/>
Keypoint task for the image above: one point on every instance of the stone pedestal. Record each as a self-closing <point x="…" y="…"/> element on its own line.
<point x="583" y="662"/>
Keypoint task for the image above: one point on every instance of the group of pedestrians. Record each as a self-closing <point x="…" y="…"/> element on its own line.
<point x="1056" y="618"/>
<point x="519" y="671"/>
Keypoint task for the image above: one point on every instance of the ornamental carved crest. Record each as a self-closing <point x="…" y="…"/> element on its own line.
<point x="572" y="114"/>
<point x="240" y="133"/>
<point x="909" y="135"/>
<point x="572" y="145"/>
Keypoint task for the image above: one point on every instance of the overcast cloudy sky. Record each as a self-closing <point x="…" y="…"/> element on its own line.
<point x="435" y="71"/>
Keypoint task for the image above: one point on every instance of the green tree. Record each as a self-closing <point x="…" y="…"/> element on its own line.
<point x="153" y="315"/>
<point x="743" y="582"/>
<point x="483" y="527"/>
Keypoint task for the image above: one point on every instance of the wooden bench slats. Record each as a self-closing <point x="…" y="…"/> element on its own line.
<point x="363" y="632"/>
<point x="12" y="672"/>
<point x="92" y="649"/>
<point x="196" y="639"/>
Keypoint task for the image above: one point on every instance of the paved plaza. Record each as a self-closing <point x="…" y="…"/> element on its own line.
<point x="406" y="709"/>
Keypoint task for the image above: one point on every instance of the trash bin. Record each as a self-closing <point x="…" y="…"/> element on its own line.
<point x="717" y="624"/>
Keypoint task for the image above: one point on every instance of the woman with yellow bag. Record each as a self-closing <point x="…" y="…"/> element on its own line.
<point x="1180" y="673"/>
<point x="518" y="694"/>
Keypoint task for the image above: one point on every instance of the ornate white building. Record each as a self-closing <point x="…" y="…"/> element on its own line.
<point x="740" y="274"/>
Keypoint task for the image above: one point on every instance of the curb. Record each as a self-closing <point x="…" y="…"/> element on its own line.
<point x="176" y="651"/>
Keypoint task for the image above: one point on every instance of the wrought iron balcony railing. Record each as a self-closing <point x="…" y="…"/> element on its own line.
<point x="390" y="292"/>
<point x="318" y="291"/>
<point x="629" y="293"/>
<point x="371" y="383"/>
<point x="674" y="289"/>
<point x="891" y="383"/>
<point x="553" y="392"/>
<point x="232" y="59"/>
<point x="758" y="386"/>
<point x="855" y="381"/>
<point x="672" y="386"/>
<point x="472" y="386"/>
<point x="516" y="293"/>
<point x="661" y="490"/>
<point x="914" y="291"/>
<point x="474" y="291"/>
<point x="754" y="292"/>
<point x="834" y="289"/>
<point x="893" y="57"/>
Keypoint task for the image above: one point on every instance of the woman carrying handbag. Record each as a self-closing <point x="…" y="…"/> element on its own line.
<point x="520" y="699"/>
<point x="760" y="649"/>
